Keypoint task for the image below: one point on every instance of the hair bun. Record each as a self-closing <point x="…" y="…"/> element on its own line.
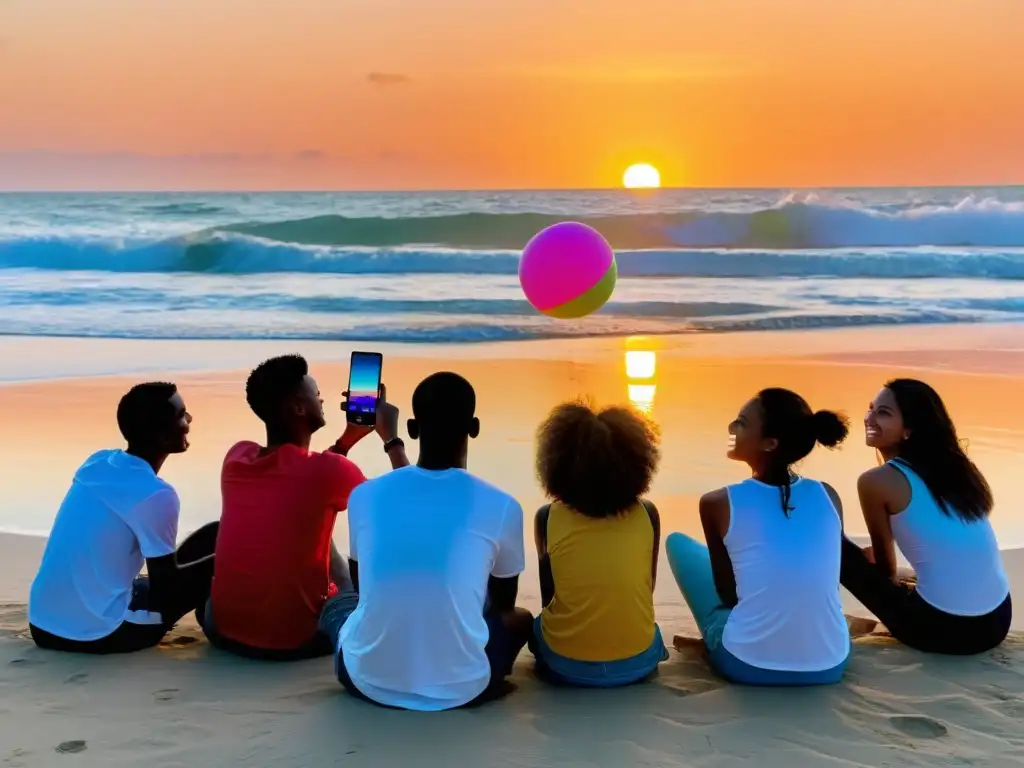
<point x="830" y="428"/>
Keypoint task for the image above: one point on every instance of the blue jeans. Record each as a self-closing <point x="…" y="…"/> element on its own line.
<point x="562" y="670"/>
<point x="690" y="562"/>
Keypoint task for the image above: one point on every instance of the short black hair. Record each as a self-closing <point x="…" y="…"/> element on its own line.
<point x="444" y="404"/>
<point x="145" y="412"/>
<point x="272" y="382"/>
<point x="599" y="463"/>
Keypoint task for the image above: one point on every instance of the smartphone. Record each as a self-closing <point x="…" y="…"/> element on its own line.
<point x="364" y="388"/>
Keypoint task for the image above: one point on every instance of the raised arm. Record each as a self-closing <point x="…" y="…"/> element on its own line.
<point x="386" y="426"/>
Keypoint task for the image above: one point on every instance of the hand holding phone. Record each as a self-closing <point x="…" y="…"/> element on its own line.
<point x="387" y="417"/>
<point x="364" y="388"/>
<point x="386" y="424"/>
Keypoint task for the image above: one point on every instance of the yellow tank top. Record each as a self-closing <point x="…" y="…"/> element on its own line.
<point x="603" y="608"/>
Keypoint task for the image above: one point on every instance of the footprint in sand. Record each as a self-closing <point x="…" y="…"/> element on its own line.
<point x="23" y="661"/>
<point x="78" y="677"/>
<point x="166" y="694"/>
<point x="14" y="759"/>
<point x="70" y="747"/>
<point x="918" y="726"/>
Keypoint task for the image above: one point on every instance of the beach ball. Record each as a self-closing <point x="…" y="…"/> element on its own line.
<point x="567" y="270"/>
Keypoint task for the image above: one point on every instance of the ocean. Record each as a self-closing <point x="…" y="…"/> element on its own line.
<point x="441" y="267"/>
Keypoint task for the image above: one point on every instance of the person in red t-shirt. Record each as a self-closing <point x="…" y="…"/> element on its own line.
<point x="275" y="564"/>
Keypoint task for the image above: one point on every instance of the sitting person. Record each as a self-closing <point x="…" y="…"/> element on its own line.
<point x="436" y="555"/>
<point x="765" y="589"/>
<point x="88" y="595"/>
<point x="276" y="562"/>
<point x="597" y="543"/>
<point x="931" y="501"/>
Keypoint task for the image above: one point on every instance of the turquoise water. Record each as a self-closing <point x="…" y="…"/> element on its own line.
<point x="441" y="267"/>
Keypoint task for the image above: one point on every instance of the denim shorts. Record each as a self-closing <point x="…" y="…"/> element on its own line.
<point x="562" y="670"/>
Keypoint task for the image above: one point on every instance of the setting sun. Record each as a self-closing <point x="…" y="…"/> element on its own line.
<point x="641" y="176"/>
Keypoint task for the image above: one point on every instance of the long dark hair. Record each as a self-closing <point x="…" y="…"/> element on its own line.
<point x="935" y="454"/>
<point x="788" y="419"/>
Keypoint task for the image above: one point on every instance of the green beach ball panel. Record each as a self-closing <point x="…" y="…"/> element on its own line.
<point x="589" y="301"/>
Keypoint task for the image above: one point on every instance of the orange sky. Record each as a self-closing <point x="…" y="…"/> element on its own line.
<point x="413" y="94"/>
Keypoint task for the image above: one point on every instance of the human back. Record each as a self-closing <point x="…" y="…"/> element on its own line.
<point x="435" y="554"/>
<point x="765" y="589"/>
<point x="597" y="547"/>
<point x="603" y="608"/>
<point x="931" y="502"/>
<point x="276" y="565"/>
<point x="427" y="541"/>
<point x="116" y="512"/>
<point x="273" y="554"/>
<point x="956" y="562"/>
<point x="89" y="595"/>
<point x="786" y="565"/>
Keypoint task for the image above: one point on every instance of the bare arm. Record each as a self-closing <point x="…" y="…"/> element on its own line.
<point x="502" y="593"/>
<point x="652" y="513"/>
<point x="540" y="537"/>
<point x="398" y="457"/>
<point x="874" y="489"/>
<point x="714" y="517"/>
<point x="509" y="562"/>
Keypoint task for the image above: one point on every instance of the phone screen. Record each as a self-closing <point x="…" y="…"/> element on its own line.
<point x="364" y="387"/>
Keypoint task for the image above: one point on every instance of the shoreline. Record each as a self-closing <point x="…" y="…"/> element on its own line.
<point x="115" y="357"/>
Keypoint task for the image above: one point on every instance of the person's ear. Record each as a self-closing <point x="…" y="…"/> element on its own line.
<point x="474" y="428"/>
<point x="294" y="407"/>
<point x="769" y="444"/>
<point x="413" y="428"/>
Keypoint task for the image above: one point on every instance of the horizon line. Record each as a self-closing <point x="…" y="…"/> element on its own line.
<point x="499" y="190"/>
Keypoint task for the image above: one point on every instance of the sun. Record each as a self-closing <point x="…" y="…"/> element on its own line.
<point x="641" y="176"/>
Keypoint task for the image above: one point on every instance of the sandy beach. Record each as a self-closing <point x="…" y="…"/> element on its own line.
<point x="185" y="703"/>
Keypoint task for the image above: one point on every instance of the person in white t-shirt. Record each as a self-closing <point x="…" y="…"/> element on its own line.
<point x="88" y="596"/>
<point x="435" y="555"/>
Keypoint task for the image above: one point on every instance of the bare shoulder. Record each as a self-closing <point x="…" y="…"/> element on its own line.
<point x="542" y="514"/>
<point x="649" y="506"/>
<point x="714" y="502"/>
<point x="880" y="480"/>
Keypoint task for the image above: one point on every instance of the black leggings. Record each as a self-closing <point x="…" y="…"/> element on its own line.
<point x="915" y="622"/>
<point x="188" y="591"/>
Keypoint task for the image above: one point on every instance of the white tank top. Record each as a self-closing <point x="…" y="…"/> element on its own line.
<point x="789" y="616"/>
<point x="957" y="562"/>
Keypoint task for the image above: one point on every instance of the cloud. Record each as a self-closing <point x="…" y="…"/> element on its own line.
<point x="43" y="158"/>
<point x="55" y="169"/>
<point x="387" y="79"/>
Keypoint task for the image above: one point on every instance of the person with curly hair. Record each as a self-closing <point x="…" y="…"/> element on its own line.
<point x="765" y="589"/>
<point x="597" y="543"/>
